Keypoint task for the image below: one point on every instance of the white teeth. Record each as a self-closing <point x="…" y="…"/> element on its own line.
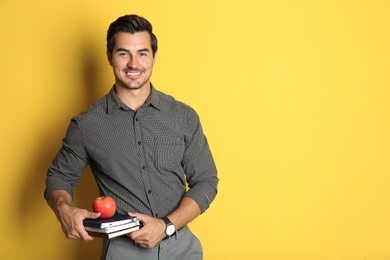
<point x="133" y="73"/>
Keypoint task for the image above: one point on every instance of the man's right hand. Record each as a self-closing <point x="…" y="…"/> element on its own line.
<point x="71" y="218"/>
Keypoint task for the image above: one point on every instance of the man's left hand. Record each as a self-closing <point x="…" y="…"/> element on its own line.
<point x="152" y="232"/>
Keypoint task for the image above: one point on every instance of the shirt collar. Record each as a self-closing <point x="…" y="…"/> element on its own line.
<point x="114" y="103"/>
<point x="154" y="98"/>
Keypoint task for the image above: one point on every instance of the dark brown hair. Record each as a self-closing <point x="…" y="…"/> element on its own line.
<point x="131" y="24"/>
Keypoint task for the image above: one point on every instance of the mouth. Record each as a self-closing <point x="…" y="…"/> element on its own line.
<point x="133" y="73"/>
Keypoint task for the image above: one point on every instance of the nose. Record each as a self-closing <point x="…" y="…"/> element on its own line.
<point x="133" y="62"/>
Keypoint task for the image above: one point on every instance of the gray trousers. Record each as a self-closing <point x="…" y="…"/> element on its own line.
<point x="184" y="245"/>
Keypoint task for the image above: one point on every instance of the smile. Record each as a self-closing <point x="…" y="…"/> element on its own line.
<point x="133" y="73"/>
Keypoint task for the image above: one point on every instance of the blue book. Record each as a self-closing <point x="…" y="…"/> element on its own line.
<point x="116" y="220"/>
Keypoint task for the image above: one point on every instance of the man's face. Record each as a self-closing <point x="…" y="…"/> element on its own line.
<point x="132" y="60"/>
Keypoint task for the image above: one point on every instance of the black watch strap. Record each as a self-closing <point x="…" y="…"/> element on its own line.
<point x="166" y="220"/>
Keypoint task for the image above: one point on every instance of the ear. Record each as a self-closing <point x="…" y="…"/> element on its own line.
<point x="155" y="58"/>
<point x="109" y="57"/>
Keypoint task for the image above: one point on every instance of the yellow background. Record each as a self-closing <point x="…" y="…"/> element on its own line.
<point x="293" y="97"/>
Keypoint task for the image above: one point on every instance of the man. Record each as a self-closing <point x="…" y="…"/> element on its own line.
<point x="143" y="148"/>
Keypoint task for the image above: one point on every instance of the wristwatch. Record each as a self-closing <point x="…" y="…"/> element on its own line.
<point x="170" y="228"/>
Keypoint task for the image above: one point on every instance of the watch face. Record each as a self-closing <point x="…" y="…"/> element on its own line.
<point x="170" y="230"/>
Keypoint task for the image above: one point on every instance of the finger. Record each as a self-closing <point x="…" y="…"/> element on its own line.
<point x="139" y="216"/>
<point x="142" y="217"/>
<point x="81" y="235"/>
<point x="72" y="234"/>
<point x="93" y="215"/>
<point x="133" y="214"/>
<point x="85" y="236"/>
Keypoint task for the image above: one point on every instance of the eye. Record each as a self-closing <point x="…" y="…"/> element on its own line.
<point x="143" y="54"/>
<point x="122" y="53"/>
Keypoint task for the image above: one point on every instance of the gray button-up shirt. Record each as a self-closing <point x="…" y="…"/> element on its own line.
<point x="142" y="159"/>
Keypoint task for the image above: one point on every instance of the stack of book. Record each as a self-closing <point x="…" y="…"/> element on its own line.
<point x="118" y="225"/>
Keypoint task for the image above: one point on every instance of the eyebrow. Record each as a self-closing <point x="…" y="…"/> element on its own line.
<point x="140" y="50"/>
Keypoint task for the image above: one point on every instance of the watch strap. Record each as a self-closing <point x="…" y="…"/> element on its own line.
<point x="166" y="220"/>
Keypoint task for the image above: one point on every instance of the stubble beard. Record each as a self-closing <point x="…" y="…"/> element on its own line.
<point x="131" y="84"/>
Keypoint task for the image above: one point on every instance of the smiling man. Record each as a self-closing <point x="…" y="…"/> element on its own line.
<point x="132" y="61"/>
<point x="144" y="148"/>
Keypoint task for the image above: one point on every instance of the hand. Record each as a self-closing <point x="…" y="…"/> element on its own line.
<point x="71" y="219"/>
<point x="152" y="232"/>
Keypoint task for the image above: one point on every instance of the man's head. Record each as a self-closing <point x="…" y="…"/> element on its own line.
<point x="130" y="24"/>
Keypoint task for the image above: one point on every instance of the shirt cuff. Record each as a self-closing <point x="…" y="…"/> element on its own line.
<point x="203" y="196"/>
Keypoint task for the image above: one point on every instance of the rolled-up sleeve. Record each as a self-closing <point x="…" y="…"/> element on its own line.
<point x="68" y="166"/>
<point x="199" y="165"/>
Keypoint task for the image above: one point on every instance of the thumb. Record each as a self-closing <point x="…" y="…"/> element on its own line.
<point x="145" y="219"/>
<point x="139" y="216"/>
<point x="93" y="215"/>
<point x="134" y="214"/>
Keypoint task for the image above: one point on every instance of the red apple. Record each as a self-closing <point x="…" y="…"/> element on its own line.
<point x="105" y="205"/>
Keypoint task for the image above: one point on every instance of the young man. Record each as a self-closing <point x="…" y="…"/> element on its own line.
<point x="143" y="147"/>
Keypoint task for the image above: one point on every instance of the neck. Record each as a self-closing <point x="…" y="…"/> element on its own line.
<point x="133" y="98"/>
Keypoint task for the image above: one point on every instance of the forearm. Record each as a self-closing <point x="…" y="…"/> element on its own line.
<point x="154" y="229"/>
<point x="187" y="211"/>
<point x="58" y="200"/>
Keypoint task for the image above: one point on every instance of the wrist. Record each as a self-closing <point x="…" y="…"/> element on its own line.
<point x="59" y="202"/>
<point x="170" y="228"/>
<point x="62" y="205"/>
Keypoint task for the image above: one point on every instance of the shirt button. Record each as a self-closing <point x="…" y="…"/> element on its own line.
<point x="149" y="191"/>
<point x="136" y="119"/>
<point x="143" y="167"/>
<point x="139" y="142"/>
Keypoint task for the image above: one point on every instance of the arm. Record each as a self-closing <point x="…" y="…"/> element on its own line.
<point x="154" y="229"/>
<point x="71" y="218"/>
<point x="63" y="174"/>
<point x="187" y="211"/>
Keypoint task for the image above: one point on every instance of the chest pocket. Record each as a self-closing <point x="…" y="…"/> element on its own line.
<point x="168" y="152"/>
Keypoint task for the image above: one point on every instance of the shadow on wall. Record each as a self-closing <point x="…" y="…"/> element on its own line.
<point x="93" y="88"/>
<point x="47" y="147"/>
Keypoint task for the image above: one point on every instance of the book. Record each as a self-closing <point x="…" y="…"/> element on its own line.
<point x="113" y="228"/>
<point x="113" y="234"/>
<point x="116" y="220"/>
